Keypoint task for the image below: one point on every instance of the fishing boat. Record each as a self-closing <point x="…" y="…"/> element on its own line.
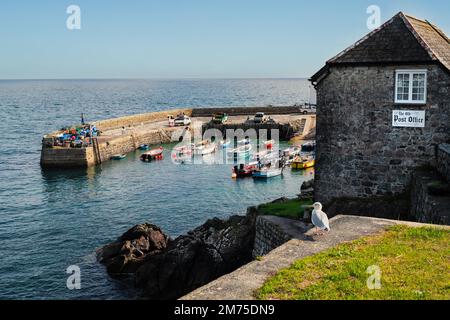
<point x="302" y="163"/>
<point x="155" y="154"/>
<point x="267" y="172"/>
<point x="118" y="156"/>
<point x="244" y="171"/>
<point x="239" y="152"/>
<point x="204" y="147"/>
<point x="183" y="150"/>
<point x="144" y="147"/>
<point x="208" y="149"/>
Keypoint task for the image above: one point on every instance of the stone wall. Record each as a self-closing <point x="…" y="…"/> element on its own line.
<point x="268" y="236"/>
<point x="443" y="161"/>
<point x="425" y="206"/>
<point x="85" y="157"/>
<point x="131" y="141"/>
<point x="67" y="157"/>
<point x="359" y="153"/>
<point x="243" y="111"/>
<point x="137" y="119"/>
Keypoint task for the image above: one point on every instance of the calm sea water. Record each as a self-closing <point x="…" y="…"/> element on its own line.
<point x="50" y="220"/>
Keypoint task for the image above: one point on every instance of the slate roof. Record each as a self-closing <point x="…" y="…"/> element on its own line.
<point x="403" y="39"/>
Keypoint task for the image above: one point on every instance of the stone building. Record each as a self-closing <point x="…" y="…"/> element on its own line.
<point x="383" y="107"/>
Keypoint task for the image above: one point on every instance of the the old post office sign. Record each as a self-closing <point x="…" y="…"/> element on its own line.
<point x="408" y="118"/>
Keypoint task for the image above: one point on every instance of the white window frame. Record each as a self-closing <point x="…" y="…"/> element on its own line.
<point x="411" y="73"/>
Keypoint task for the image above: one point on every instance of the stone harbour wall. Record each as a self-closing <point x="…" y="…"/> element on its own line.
<point x="443" y="161"/>
<point x="359" y="153"/>
<point x="243" y="111"/>
<point x="131" y="141"/>
<point x="137" y="119"/>
<point x="268" y="236"/>
<point x="67" y="157"/>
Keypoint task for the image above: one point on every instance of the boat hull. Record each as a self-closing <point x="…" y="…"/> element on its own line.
<point x="265" y="174"/>
<point x="302" y="165"/>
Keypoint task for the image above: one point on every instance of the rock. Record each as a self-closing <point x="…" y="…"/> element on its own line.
<point x="186" y="263"/>
<point x="281" y="200"/>
<point x="126" y="254"/>
<point x="309" y="184"/>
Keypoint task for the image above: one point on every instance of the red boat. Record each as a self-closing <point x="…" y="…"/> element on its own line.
<point x="244" y="171"/>
<point x="154" y="154"/>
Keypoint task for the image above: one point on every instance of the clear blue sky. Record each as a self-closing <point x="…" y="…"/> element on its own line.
<point x="187" y="38"/>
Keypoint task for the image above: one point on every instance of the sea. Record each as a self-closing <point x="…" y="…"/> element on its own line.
<point x="52" y="221"/>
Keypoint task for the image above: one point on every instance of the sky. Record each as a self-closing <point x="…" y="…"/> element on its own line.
<point x="188" y="38"/>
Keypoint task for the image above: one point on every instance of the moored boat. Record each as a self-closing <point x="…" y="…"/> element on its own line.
<point x="244" y="171"/>
<point x="302" y="163"/>
<point x="144" y="147"/>
<point x="267" y="172"/>
<point x="183" y="150"/>
<point x="242" y="151"/>
<point x="204" y="147"/>
<point x="155" y="154"/>
<point x="118" y="156"/>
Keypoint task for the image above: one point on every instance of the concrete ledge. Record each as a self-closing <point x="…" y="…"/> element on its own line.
<point x="242" y="283"/>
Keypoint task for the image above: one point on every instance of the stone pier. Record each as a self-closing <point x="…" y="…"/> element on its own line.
<point x="125" y="134"/>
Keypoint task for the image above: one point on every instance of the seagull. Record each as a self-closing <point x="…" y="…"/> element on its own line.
<point x="319" y="218"/>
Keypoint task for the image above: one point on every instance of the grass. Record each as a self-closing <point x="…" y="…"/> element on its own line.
<point x="414" y="265"/>
<point x="292" y="209"/>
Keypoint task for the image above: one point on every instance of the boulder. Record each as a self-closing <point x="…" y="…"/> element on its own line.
<point x="127" y="253"/>
<point x="168" y="272"/>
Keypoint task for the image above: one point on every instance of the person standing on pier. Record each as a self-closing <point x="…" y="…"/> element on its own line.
<point x="82" y="118"/>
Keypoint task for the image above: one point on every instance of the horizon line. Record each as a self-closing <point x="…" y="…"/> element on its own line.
<point x="157" y="78"/>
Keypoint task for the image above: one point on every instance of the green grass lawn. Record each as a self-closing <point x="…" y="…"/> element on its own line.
<point x="290" y="209"/>
<point x="414" y="265"/>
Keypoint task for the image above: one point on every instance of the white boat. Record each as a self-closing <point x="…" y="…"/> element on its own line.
<point x="244" y="141"/>
<point x="204" y="147"/>
<point x="242" y="151"/>
<point x="267" y="172"/>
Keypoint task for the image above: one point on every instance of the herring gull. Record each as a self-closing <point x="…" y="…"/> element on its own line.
<point x="319" y="218"/>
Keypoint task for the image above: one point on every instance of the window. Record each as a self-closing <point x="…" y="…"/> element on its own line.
<point x="411" y="86"/>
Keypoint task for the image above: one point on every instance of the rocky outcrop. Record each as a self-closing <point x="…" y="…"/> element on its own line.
<point x="168" y="269"/>
<point x="126" y="254"/>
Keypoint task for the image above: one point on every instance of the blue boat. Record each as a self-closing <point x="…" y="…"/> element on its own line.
<point x="144" y="147"/>
<point x="266" y="172"/>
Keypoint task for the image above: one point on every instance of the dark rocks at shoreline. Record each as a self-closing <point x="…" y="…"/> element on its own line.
<point x="126" y="254"/>
<point x="307" y="190"/>
<point x="168" y="269"/>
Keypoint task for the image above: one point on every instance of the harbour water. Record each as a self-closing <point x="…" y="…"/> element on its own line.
<point x="50" y="220"/>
